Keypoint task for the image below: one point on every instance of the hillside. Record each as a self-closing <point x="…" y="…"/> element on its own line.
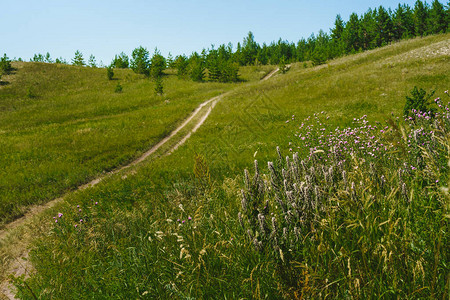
<point x="170" y="228"/>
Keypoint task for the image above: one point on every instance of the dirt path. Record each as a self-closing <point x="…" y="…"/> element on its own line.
<point x="21" y="266"/>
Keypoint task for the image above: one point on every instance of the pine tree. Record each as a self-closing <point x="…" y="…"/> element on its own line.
<point x="158" y="64"/>
<point x="437" y="18"/>
<point x="196" y="68"/>
<point x="48" y="58"/>
<point x="5" y="65"/>
<point x="368" y="29"/>
<point x="78" y="60"/>
<point x="384" y="27"/>
<point x="121" y="61"/>
<point x="351" y="35"/>
<point x="91" y="62"/>
<point x="181" y="64"/>
<point x="140" y="62"/>
<point x="170" y="61"/>
<point x="420" y="18"/>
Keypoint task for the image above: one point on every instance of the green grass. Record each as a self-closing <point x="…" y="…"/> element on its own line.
<point x="61" y="126"/>
<point x="131" y="245"/>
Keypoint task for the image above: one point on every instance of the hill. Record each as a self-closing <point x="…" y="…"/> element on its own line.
<point x="171" y="228"/>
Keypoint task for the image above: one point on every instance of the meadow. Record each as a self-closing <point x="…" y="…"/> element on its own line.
<point x="345" y="217"/>
<point x="62" y="126"/>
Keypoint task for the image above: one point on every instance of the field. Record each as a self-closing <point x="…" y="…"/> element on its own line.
<point x="61" y="126"/>
<point x="194" y="225"/>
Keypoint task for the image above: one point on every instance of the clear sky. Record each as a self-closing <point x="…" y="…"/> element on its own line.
<point x="107" y="27"/>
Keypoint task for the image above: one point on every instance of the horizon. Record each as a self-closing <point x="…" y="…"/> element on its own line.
<point x="105" y="29"/>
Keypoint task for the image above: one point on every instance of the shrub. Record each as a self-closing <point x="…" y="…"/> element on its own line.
<point x="159" y="89"/>
<point x="5" y="64"/>
<point x="419" y="101"/>
<point x="78" y="59"/>
<point x="109" y="72"/>
<point x="118" y="88"/>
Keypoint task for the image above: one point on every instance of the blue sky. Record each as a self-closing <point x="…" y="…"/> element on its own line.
<point x="105" y="28"/>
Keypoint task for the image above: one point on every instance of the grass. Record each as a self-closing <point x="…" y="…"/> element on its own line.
<point x="165" y="232"/>
<point x="62" y="125"/>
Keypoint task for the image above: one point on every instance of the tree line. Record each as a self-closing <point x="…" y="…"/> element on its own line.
<point x="374" y="28"/>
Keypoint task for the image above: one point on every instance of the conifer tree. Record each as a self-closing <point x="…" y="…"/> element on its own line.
<point x="140" y="61"/>
<point x="181" y="64"/>
<point x="158" y="64"/>
<point x="121" y="61"/>
<point x="384" y="27"/>
<point x="420" y="18"/>
<point x="5" y="65"/>
<point x="437" y="18"/>
<point x="351" y="35"/>
<point x="91" y="62"/>
<point x="78" y="60"/>
<point x="48" y="58"/>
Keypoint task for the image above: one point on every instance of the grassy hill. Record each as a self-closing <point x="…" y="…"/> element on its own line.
<point x="171" y="229"/>
<point x="61" y="125"/>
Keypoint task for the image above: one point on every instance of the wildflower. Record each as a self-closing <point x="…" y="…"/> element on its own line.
<point x="189" y="218"/>
<point x="81" y="220"/>
<point x="96" y="203"/>
<point x="60" y="215"/>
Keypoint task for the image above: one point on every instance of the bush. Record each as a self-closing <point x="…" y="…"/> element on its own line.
<point x="109" y="72"/>
<point x="5" y="65"/>
<point x="118" y="88"/>
<point x="419" y="101"/>
<point x="159" y="89"/>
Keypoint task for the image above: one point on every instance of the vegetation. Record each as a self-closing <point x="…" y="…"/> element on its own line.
<point x="172" y="230"/>
<point x="62" y="126"/>
<point x="109" y="73"/>
<point x="5" y="65"/>
<point x="78" y="59"/>
<point x="121" y="61"/>
<point x="140" y="61"/>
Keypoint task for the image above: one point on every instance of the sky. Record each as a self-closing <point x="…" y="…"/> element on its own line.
<point x="106" y="28"/>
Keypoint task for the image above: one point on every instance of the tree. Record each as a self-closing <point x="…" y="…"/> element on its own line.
<point x="437" y="18"/>
<point x="5" y="65"/>
<point x="78" y="60"/>
<point x="140" y="62"/>
<point x="181" y="63"/>
<point x="159" y="89"/>
<point x="120" y="61"/>
<point x="109" y="73"/>
<point x="170" y="61"/>
<point x="196" y="68"/>
<point x="158" y="64"/>
<point x="368" y="30"/>
<point x="91" y="62"/>
<point x="420" y="18"/>
<point x="384" y="27"/>
<point x="339" y="25"/>
<point x="38" y="58"/>
<point x="48" y="58"/>
<point x="351" y="34"/>
<point x="249" y="49"/>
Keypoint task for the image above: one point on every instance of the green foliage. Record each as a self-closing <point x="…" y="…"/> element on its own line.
<point x="78" y="59"/>
<point x="109" y="72"/>
<point x="196" y="70"/>
<point x="118" y="88"/>
<point x="120" y="61"/>
<point x="159" y="88"/>
<point x="140" y="61"/>
<point x="38" y="58"/>
<point x="181" y="63"/>
<point x="318" y="58"/>
<point x="158" y="64"/>
<point x="282" y="66"/>
<point x="419" y="101"/>
<point x="5" y="65"/>
<point x="91" y="62"/>
<point x="48" y="59"/>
